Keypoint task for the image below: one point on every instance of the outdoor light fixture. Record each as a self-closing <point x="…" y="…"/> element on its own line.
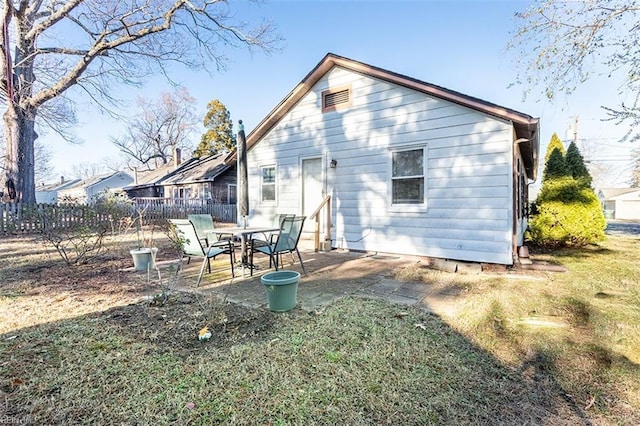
<point x="333" y="163"/>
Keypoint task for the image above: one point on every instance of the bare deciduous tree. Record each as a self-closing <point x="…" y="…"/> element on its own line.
<point x="87" y="170"/>
<point x="51" y="46"/>
<point x="561" y="44"/>
<point x="161" y="126"/>
<point x="634" y="182"/>
<point x="43" y="167"/>
<point x="44" y="170"/>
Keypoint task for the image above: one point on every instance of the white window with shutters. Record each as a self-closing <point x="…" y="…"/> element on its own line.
<point x="336" y="98"/>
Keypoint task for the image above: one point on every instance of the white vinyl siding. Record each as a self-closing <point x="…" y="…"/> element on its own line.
<point x="467" y="164"/>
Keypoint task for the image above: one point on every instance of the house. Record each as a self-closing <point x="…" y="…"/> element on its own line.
<point x="620" y="203"/>
<point x="86" y="190"/>
<point x="48" y="193"/>
<point x="411" y="168"/>
<point x="207" y="178"/>
<point x="147" y="184"/>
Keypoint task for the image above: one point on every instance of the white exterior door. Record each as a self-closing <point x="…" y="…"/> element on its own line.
<point x="312" y="189"/>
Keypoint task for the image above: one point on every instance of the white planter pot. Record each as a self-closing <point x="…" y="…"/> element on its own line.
<point x="143" y="258"/>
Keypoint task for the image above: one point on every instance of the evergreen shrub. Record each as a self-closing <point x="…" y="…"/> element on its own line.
<point x="568" y="214"/>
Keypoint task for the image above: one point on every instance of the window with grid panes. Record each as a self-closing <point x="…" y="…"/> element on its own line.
<point x="268" y="186"/>
<point x="408" y="176"/>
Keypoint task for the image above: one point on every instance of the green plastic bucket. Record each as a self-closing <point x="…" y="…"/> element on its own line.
<point x="282" y="289"/>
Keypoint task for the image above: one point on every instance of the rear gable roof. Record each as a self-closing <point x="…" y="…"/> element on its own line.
<point x="526" y="126"/>
<point x="90" y="181"/>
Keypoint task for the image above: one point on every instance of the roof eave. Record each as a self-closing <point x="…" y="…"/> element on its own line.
<point x="286" y="104"/>
<point x="529" y="134"/>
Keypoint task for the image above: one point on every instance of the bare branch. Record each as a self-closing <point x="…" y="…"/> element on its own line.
<point x="559" y="45"/>
<point x="159" y="127"/>
<point x="50" y="18"/>
<point x="93" y="44"/>
<point x="65" y="51"/>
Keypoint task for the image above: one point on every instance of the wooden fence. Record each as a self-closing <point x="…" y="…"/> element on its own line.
<point x="34" y="218"/>
<point x="179" y="208"/>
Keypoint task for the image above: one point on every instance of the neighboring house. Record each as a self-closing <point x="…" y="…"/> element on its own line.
<point x="85" y="191"/>
<point x="206" y="178"/>
<point x="147" y="183"/>
<point x="412" y="168"/>
<point x="48" y="193"/>
<point x="620" y="203"/>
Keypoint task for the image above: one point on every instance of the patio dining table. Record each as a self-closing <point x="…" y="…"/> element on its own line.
<point x="246" y="234"/>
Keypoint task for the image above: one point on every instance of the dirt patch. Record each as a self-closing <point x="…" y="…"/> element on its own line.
<point x="37" y="286"/>
<point x="173" y="326"/>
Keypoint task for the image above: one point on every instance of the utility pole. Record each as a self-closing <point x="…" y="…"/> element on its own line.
<point x="575" y="129"/>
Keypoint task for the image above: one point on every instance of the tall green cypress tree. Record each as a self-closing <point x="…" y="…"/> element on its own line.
<point x="556" y="166"/>
<point x="576" y="166"/>
<point x="554" y="143"/>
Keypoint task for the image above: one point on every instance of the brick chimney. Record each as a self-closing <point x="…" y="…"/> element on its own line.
<point x="177" y="158"/>
<point x="61" y="180"/>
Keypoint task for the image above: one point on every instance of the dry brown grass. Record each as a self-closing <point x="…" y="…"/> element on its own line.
<point x="81" y="346"/>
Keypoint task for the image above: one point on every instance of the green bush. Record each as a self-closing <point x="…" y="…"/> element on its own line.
<point x="565" y="189"/>
<point x="568" y="214"/>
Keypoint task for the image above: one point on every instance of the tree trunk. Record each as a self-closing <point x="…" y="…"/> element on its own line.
<point x="20" y="136"/>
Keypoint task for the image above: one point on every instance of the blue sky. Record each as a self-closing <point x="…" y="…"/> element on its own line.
<point x="460" y="45"/>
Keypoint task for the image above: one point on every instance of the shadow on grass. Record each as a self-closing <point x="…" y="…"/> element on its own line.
<point x="573" y="252"/>
<point x="358" y="362"/>
<point x="586" y="375"/>
<point x="619" y="243"/>
<point x="540" y="367"/>
<point x="17" y="250"/>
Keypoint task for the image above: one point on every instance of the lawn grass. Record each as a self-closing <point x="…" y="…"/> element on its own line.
<point x="581" y="326"/>
<point x="360" y="362"/>
<point x="532" y="348"/>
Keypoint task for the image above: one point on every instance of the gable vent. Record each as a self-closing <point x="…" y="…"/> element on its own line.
<point x="333" y="99"/>
<point x="337" y="98"/>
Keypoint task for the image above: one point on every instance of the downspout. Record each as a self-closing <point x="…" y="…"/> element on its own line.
<point x="516" y="190"/>
<point x="514" y="198"/>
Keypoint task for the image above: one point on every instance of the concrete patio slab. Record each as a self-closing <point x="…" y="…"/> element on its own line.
<point x="330" y="276"/>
